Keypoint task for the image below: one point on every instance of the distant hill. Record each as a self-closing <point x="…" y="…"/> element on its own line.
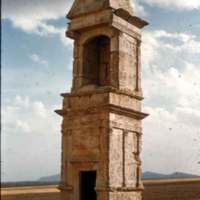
<point x="175" y="175"/>
<point x="54" y="180"/>
<point x="146" y="175"/>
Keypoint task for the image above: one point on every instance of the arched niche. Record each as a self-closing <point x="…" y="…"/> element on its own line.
<point x="96" y="61"/>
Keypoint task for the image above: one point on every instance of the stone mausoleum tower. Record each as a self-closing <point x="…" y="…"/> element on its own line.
<point x="101" y="129"/>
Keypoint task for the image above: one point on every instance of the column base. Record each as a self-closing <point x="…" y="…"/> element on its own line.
<point x="128" y="195"/>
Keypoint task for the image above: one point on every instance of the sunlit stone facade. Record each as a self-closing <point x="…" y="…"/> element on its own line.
<point x="101" y="129"/>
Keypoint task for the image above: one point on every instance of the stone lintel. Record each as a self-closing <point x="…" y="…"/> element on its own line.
<point x="90" y="164"/>
<point x="120" y="189"/>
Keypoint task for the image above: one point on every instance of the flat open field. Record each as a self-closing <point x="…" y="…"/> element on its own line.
<point x="188" y="189"/>
<point x="30" y="193"/>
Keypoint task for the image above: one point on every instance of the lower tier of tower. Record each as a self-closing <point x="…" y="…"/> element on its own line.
<point x="105" y="194"/>
<point x="101" y="146"/>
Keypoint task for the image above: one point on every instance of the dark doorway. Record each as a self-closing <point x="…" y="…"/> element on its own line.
<point x="87" y="185"/>
<point x="96" y="61"/>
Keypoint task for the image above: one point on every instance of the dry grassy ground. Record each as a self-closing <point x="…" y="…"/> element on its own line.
<point x="188" y="189"/>
<point x="30" y="193"/>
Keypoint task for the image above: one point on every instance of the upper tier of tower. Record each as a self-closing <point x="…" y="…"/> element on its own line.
<point x="82" y="7"/>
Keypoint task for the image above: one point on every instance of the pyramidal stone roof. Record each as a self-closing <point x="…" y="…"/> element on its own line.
<point x="81" y="7"/>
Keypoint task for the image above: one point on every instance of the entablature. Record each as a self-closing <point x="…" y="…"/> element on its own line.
<point x="89" y="103"/>
<point x="118" y="19"/>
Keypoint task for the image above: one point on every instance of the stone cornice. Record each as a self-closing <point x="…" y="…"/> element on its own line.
<point x="136" y="95"/>
<point x="134" y="20"/>
<point x="111" y="108"/>
<point x="119" y="19"/>
<point x="127" y="112"/>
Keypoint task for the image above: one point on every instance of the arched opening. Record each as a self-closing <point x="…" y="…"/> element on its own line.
<point x="96" y="61"/>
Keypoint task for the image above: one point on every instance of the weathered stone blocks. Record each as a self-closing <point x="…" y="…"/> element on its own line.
<point x="101" y="129"/>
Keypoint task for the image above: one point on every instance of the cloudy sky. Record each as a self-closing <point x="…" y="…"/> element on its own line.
<point x="36" y="68"/>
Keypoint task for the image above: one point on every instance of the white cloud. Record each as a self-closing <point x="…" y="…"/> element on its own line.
<point x="33" y="16"/>
<point x="138" y="8"/>
<point x="40" y="109"/>
<point x="170" y="143"/>
<point x="163" y="49"/>
<point x="149" y="48"/>
<point x="170" y="79"/>
<point x="23" y="126"/>
<point x="30" y="139"/>
<point x="171" y="83"/>
<point x="65" y="40"/>
<point x="36" y="58"/>
<point x="29" y="15"/>
<point x="36" y="21"/>
<point x="30" y="116"/>
<point x="170" y="75"/>
<point x="188" y="42"/>
<point x="179" y="88"/>
<point x="19" y="101"/>
<point x="175" y="4"/>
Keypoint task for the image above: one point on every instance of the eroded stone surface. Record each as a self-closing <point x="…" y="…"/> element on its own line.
<point x="81" y="7"/>
<point x="125" y="195"/>
<point x="101" y="129"/>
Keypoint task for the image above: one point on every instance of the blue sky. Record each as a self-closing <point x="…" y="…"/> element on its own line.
<point x="37" y="67"/>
